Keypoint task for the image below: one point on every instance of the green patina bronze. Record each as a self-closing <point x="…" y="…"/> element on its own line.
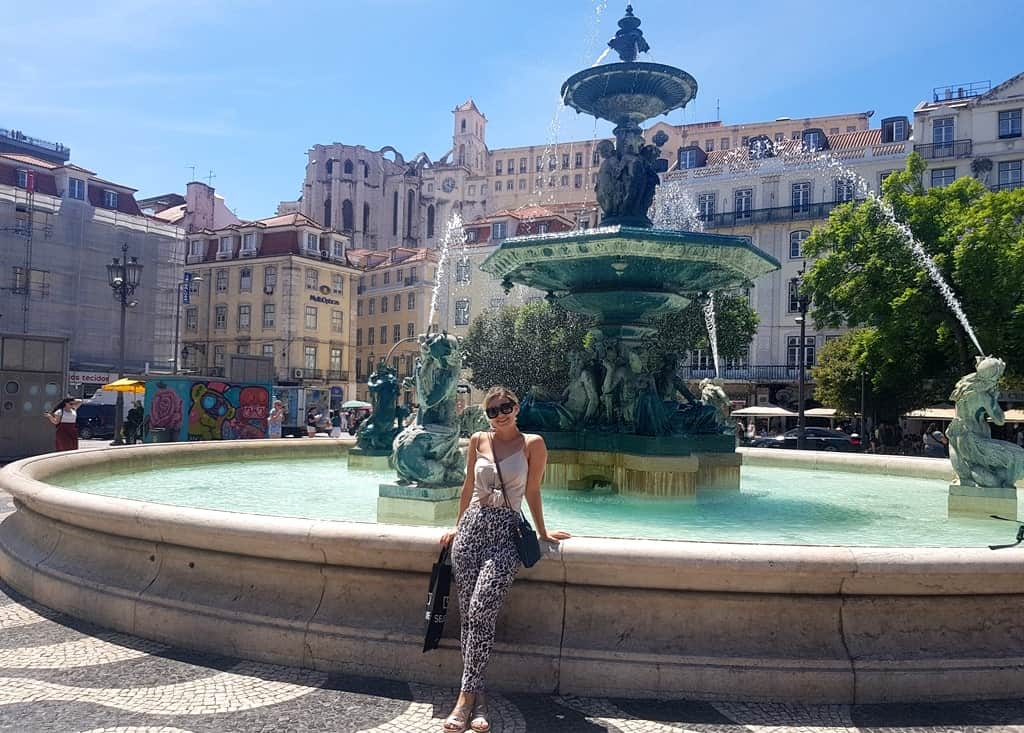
<point x="377" y="433"/>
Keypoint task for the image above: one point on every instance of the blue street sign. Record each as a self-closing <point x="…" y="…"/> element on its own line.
<point x="186" y="289"/>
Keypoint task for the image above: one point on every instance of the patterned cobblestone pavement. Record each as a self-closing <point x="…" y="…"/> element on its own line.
<point x="61" y="675"/>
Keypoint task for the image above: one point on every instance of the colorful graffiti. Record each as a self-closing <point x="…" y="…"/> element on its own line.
<point x="216" y="410"/>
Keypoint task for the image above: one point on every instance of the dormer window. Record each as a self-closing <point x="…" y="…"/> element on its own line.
<point x="760" y="146"/>
<point x="312" y="242"/>
<point x="691" y="157"/>
<point x="110" y="199"/>
<point x="249" y="242"/>
<point x="226" y="245"/>
<point x="814" y="140"/>
<point x="76" y="189"/>
<point x="22" y="178"/>
<point x="499" y="231"/>
<point x="472" y="235"/>
<point x="894" y="129"/>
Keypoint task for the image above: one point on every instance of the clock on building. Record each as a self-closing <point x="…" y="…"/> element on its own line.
<point x="448" y="185"/>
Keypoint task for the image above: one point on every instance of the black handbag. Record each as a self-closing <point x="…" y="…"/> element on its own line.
<point x="525" y="539"/>
<point x="437" y="599"/>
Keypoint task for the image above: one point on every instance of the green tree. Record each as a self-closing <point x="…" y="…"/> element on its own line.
<point x="735" y="325"/>
<point x="913" y="347"/>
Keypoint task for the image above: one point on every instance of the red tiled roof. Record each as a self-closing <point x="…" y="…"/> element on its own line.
<point x="859" y="139"/>
<point x="172" y="215"/>
<point x="30" y="160"/>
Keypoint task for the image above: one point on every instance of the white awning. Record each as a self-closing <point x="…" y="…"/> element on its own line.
<point x="763" y="411"/>
<point x="932" y="413"/>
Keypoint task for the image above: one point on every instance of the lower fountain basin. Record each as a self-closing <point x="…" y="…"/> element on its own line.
<point x="596" y="617"/>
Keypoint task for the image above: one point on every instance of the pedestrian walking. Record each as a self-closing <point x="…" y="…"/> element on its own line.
<point x="64" y="417"/>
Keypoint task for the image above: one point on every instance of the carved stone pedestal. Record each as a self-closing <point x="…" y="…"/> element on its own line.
<point x="420" y="505"/>
<point x="982" y="501"/>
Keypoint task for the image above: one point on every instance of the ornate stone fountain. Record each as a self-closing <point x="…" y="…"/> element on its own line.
<point x="620" y="422"/>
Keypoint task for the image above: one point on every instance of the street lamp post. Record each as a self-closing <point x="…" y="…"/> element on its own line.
<point x="123" y="275"/>
<point x="803" y="302"/>
<point x="187" y="282"/>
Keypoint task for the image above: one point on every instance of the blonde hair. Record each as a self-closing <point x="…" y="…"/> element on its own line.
<point x="500" y="390"/>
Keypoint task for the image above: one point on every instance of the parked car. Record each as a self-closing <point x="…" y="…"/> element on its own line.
<point x="95" y="421"/>
<point x="814" y="439"/>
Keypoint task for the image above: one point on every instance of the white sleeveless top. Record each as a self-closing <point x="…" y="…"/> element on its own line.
<point x="487" y="486"/>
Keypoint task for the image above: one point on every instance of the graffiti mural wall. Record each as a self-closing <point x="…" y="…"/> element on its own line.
<point x="181" y="409"/>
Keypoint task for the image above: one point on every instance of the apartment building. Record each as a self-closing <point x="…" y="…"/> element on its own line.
<point x="280" y="287"/>
<point x="60" y="225"/>
<point x="394" y="296"/>
<point x="973" y="130"/>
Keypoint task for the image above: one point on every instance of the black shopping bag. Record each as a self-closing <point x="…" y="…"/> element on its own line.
<point x="437" y="599"/>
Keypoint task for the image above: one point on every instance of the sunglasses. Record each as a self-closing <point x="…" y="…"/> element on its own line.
<point x="505" y="408"/>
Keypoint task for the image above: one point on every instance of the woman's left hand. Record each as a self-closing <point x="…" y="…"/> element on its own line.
<point x="555" y="537"/>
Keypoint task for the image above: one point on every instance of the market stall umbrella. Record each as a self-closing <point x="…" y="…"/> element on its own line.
<point x="356" y="405"/>
<point x="126" y="385"/>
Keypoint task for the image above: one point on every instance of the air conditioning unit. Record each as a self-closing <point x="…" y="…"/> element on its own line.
<point x="324" y="254"/>
<point x="269" y="290"/>
<point x="297" y="373"/>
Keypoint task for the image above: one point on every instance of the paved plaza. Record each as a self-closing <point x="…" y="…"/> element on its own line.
<point x="58" y="674"/>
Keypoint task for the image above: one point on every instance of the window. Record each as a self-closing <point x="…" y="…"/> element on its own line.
<point x="387" y="277"/>
<point x="309" y="357"/>
<point x="222" y="281"/>
<point x="431" y="216"/>
<point x="410" y="329"/>
<point x="813" y="140"/>
<point x="337" y="283"/>
<point x="843" y="190"/>
<point x="226" y="246"/>
<point x="311" y="316"/>
<point x="347" y="167"/>
<point x="1009" y="123"/>
<point x="497" y="168"/>
<point x="268" y="351"/>
<point x="552" y="162"/>
<point x="397" y="304"/>
<point x="1009" y="174"/>
<point x="894" y="130"/>
<point x="220" y="319"/>
<point x="249" y="242"/>
<point x="312" y="279"/>
<point x="359" y="307"/>
<point x="725" y="143"/>
<point x="577" y="181"/>
<point x="882" y="176"/>
<point x="564" y="182"/>
<point x="218" y="356"/>
<point x="942" y="137"/>
<point x="706" y="206"/>
<point x="76" y="188"/>
<point x="196" y="248"/>
<point x="269" y="278"/>
<point x="312" y="242"/>
<point x="38" y="283"/>
<point x="337" y="249"/>
<point x="522" y="184"/>
<point x="396" y="332"/>
<point x="462" y="312"/>
<point x="700" y="359"/>
<point x="244" y="317"/>
<point x="411" y="301"/>
<point x="373" y="280"/>
<point x="245" y="280"/>
<point x="688" y="158"/>
<point x="800" y="195"/>
<point x="22" y="181"/>
<point x="384" y="304"/>
<point x="510" y="185"/>
<point x="335" y="363"/>
<point x="578" y="160"/>
<point x="794" y="295"/>
<point x="110" y="199"/>
<point x="337" y="321"/>
<point x="472" y="235"/>
<point x="793" y="351"/>
<point x="743" y="202"/>
<point x="371" y="306"/>
<point x="371" y="336"/>
<point x="565" y="160"/>
<point x="522" y="165"/>
<point x="511" y="166"/>
<point x="796" y="243"/>
<point x="383" y="334"/>
<point x="709" y="144"/>
<point x="595" y="158"/>
<point x="268" y="315"/>
<point x="499" y="231"/>
<point x="943" y="176"/>
<point x="542" y="227"/>
<point x="191" y="319"/>
<point x="780" y="136"/>
<point x="462" y="270"/>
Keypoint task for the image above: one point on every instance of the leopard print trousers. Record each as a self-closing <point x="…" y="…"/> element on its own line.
<point x="485" y="562"/>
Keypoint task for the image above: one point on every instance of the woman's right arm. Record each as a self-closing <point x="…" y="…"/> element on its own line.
<point x="51" y="417"/>
<point x="467" y="488"/>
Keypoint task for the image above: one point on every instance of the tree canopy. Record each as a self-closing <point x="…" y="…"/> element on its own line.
<point x="909" y="342"/>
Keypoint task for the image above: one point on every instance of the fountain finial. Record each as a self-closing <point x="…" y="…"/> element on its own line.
<point x="629" y="39"/>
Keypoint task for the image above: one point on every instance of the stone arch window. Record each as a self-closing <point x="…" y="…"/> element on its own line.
<point x="410" y="207"/>
<point x="394" y="214"/>
<point x="327" y="212"/>
<point x="366" y="218"/>
<point x="346" y="215"/>
<point x="330" y="166"/>
<point x="796" y="243"/>
<point x="463" y="125"/>
<point x="347" y="168"/>
<point x="462" y="155"/>
<point x="430" y="221"/>
<point x="366" y="169"/>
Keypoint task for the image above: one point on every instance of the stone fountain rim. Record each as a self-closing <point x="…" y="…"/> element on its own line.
<point x="623" y="68"/>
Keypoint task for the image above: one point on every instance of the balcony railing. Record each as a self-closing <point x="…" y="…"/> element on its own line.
<point x="340" y="376"/>
<point x="759" y="374"/>
<point x="798" y="212"/>
<point x="954" y="149"/>
<point x="1008" y="186"/>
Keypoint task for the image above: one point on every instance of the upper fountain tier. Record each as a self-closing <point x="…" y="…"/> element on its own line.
<point x="631" y="91"/>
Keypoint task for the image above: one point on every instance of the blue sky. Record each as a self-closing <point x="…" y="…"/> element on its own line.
<point x="141" y="91"/>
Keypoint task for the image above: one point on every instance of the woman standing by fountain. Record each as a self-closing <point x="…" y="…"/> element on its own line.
<point x="484" y="556"/>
